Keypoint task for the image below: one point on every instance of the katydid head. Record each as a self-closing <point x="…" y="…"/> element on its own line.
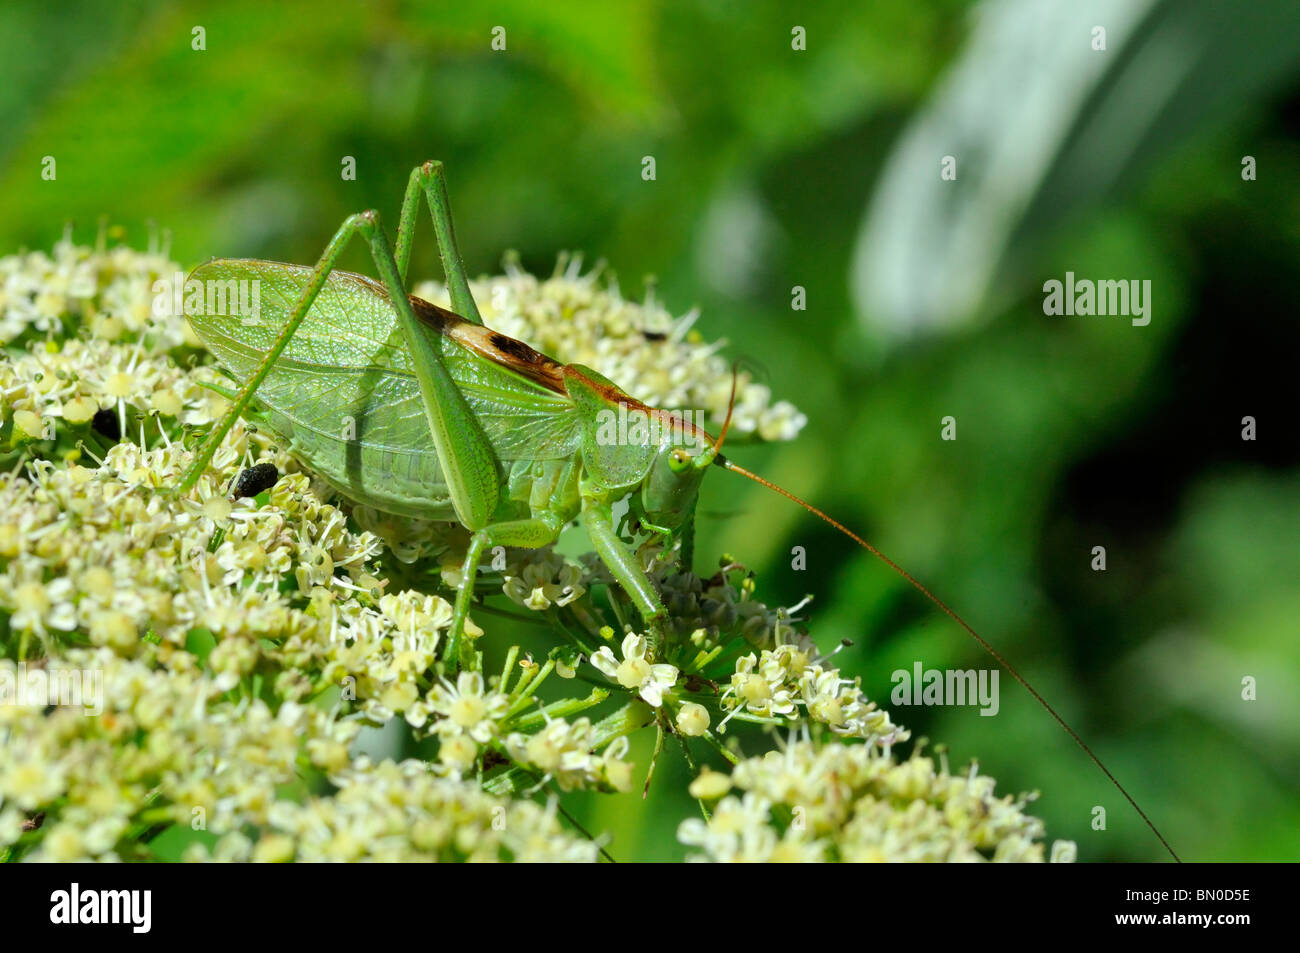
<point x="668" y="492"/>
<point x="657" y="456"/>
<point x="670" y="487"/>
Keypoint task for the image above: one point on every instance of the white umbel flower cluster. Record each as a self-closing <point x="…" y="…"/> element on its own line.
<point x="855" y="803"/>
<point x="779" y="682"/>
<point x="236" y="647"/>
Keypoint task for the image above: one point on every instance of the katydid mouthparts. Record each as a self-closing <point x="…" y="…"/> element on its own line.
<point x="420" y="411"/>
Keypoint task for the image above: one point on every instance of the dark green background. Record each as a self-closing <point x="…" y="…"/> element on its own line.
<point x="1072" y="432"/>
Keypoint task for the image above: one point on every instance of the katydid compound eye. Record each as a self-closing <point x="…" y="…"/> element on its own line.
<point x="679" y="461"/>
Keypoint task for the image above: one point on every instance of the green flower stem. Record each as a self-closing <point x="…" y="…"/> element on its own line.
<point x="628" y="719"/>
<point x="695" y="770"/>
<point x="702" y="659"/>
<point x="728" y="653"/>
<point x="654" y="758"/>
<point x="701" y="697"/>
<point x="602" y="682"/>
<point x="711" y="739"/>
<point x="560" y="709"/>
<point x="522" y="695"/>
<point x="505" y="782"/>
<point x="557" y="619"/>
<point x="507" y="614"/>
<point x="156" y="815"/>
<point x="511" y="656"/>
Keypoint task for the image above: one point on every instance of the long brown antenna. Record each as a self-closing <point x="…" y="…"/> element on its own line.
<point x="731" y="406"/>
<point x="734" y="468"/>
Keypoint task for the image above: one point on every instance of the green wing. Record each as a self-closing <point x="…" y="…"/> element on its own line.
<point x="343" y="393"/>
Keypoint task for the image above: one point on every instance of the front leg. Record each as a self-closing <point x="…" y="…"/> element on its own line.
<point x="598" y="518"/>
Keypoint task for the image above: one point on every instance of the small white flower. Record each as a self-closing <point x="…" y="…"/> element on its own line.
<point x="468" y="707"/>
<point x="650" y="680"/>
<point x="759" y="688"/>
<point x="693" y="719"/>
<point x="562" y="750"/>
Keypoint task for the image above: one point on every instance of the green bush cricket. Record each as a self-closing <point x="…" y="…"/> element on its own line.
<point x="450" y="420"/>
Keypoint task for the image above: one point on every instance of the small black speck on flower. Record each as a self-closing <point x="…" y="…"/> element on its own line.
<point x="255" y="479"/>
<point x="106" y="424"/>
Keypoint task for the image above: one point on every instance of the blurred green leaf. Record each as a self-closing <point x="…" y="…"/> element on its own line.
<point x="1043" y="126"/>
